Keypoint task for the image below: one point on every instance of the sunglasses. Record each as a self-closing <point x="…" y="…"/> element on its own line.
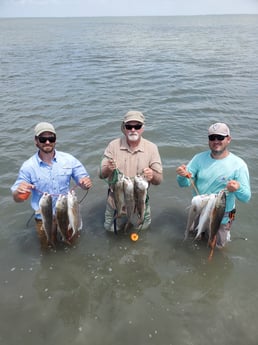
<point x="43" y="140"/>
<point x="219" y="137"/>
<point x="139" y="126"/>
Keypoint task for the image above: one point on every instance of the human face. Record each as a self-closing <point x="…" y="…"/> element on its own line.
<point x="219" y="145"/>
<point x="133" y="131"/>
<point x="46" y="142"/>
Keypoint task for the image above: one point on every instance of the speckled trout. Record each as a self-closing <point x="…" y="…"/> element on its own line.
<point x="46" y="210"/>
<point x="197" y="204"/>
<point x="205" y="215"/>
<point x="140" y="191"/>
<point x="118" y="190"/>
<point x="74" y="215"/>
<point x="129" y="200"/>
<point x="216" y="217"/>
<point x="62" y="219"/>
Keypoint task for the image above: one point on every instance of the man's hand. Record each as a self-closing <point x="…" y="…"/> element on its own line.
<point x="233" y="186"/>
<point x="85" y="183"/>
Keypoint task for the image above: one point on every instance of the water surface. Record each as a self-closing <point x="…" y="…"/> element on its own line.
<point x="83" y="75"/>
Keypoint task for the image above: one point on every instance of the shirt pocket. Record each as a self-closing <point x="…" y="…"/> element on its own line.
<point x="64" y="177"/>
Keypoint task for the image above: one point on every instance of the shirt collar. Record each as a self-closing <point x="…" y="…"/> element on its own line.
<point x="40" y="161"/>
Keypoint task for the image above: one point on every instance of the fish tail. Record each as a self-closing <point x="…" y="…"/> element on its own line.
<point x="52" y="239"/>
<point x="51" y="242"/>
<point x="63" y="237"/>
<point x="67" y="241"/>
<point x="72" y="235"/>
<point x="117" y="216"/>
<point x="126" y="226"/>
<point x="212" y="244"/>
<point x="140" y="221"/>
<point x="186" y="235"/>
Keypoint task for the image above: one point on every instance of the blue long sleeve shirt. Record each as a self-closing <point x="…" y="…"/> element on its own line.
<point x="211" y="175"/>
<point x="54" y="179"/>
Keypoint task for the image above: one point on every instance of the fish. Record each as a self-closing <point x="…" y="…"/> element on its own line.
<point x="141" y="186"/>
<point x="62" y="218"/>
<point x="216" y="217"/>
<point x="197" y="204"/>
<point x="118" y="190"/>
<point x="74" y="215"/>
<point x="129" y="200"/>
<point x="204" y="219"/>
<point x="46" y="210"/>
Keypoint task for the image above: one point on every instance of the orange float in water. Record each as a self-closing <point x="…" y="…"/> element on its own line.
<point x="134" y="237"/>
<point x="24" y="196"/>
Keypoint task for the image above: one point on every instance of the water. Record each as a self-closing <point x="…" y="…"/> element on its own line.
<point x="83" y="75"/>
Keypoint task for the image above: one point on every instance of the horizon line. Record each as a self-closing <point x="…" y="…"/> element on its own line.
<point x="142" y="15"/>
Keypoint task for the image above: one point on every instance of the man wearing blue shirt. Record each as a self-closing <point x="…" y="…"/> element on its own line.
<point x="217" y="169"/>
<point x="49" y="171"/>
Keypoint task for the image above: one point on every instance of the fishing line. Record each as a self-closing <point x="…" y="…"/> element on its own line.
<point x="73" y="188"/>
<point x="39" y="191"/>
<point x="189" y="176"/>
<point x="194" y="187"/>
<point x="28" y="222"/>
<point x="86" y="193"/>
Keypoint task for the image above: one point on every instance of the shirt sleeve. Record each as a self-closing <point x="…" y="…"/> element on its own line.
<point x="23" y="175"/>
<point x="183" y="181"/>
<point x="78" y="170"/>
<point x="155" y="162"/>
<point x="242" y="176"/>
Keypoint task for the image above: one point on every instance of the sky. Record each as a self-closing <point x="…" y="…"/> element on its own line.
<point x="92" y="8"/>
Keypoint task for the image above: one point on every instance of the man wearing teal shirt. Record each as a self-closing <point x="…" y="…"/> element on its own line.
<point x="217" y="169"/>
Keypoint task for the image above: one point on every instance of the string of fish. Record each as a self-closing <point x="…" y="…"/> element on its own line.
<point x="67" y="217"/>
<point x="131" y="194"/>
<point x="207" y="211"/>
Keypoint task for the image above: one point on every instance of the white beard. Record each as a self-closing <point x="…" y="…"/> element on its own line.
<point x="133" y="136"/>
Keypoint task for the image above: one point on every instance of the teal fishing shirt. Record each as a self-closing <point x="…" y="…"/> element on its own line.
<point x="211" y="176"/>
<point x="54" y="179"/>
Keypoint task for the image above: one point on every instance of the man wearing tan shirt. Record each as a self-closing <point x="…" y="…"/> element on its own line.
<point x="132" y="155"/>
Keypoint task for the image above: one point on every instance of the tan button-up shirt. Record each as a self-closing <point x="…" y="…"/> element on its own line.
<point x="131" y="163"/>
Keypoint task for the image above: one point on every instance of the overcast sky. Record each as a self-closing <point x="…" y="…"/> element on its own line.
<point x="88" y="8"/>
